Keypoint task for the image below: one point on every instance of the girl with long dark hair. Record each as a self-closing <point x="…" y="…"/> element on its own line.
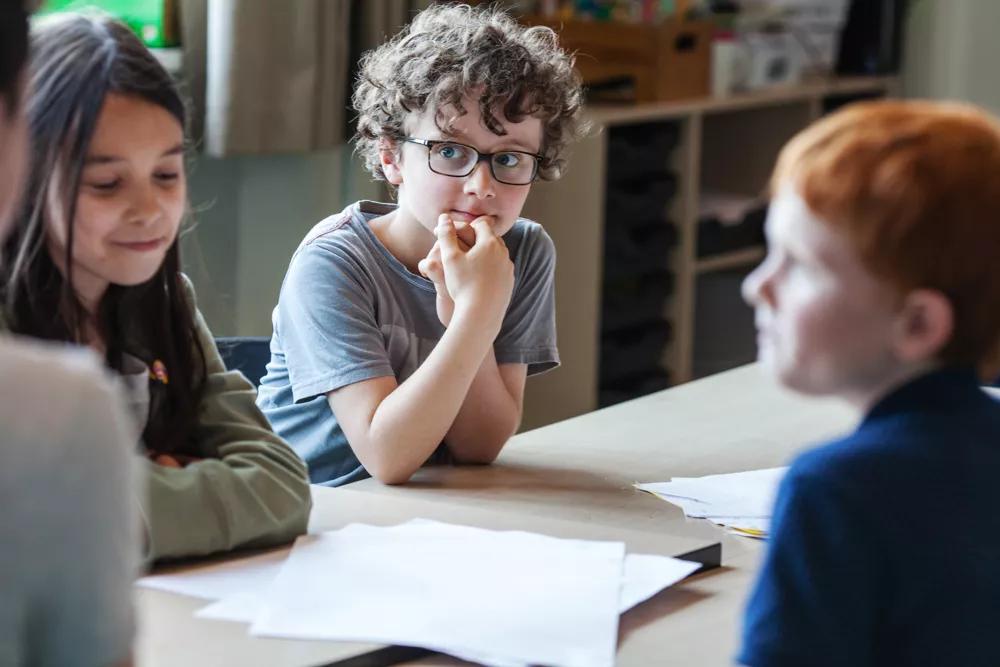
<point x="94" y="260"/>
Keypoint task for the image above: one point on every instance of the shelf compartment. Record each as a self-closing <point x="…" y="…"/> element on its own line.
<point x="737" y="259"/>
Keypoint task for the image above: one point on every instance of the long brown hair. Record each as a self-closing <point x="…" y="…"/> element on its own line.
<point x="76" y="61"/>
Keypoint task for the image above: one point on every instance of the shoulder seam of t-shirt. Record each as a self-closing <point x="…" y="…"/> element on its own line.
<point x="328" y="226"/>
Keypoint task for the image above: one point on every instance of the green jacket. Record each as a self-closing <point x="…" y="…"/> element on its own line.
<point x="251" y="489"/>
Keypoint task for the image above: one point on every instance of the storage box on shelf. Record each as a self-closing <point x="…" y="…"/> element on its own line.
<point x="665" y="61"/>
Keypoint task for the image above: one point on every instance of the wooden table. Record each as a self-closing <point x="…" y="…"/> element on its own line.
<point x="572" y="479"/>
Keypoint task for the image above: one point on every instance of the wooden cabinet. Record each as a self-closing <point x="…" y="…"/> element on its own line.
<point x="725" y="144"/>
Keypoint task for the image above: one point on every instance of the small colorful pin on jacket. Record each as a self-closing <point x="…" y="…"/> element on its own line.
<point x="158" y="372"/>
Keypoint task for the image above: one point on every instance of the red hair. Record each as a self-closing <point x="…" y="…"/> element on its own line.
<point x="915" y="187"/>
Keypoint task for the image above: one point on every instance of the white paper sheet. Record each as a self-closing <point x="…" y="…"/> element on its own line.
<point x="643" y="577"/>
<point x="647" y="575"/>
<point x="240" y="608"/>
<point x="743" y="500"/>
<point x="746" y="494"/>
<point x="498" y="597"/>
<point x="221" y="580"/>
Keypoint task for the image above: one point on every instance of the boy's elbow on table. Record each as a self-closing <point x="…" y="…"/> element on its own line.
<point x="483" y="458"/>
<point x="389" y="472"/>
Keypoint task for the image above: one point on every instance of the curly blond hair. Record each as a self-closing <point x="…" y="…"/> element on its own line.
<point x="451" y="51"/>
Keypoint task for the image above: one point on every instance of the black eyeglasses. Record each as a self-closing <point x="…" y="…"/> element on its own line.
<point x="450" y="158"/>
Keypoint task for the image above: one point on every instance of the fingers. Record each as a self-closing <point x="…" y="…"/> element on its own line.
<point x="167" y="461"/>
<point x="483" y="228"/>
<point x="466" y="234"/>
<point x="431" y="267"/>
<point x="447" y="238"/>
<point x="423" y="266"/>
<point x="432" y="270"/>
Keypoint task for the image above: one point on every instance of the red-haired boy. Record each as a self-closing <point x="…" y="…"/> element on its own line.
<point x="881" y="287"/>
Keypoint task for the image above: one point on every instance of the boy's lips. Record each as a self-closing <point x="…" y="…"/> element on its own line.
<point x="468" y="216"/>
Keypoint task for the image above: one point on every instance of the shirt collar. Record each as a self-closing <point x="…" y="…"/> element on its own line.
<point x="936" y="391"/>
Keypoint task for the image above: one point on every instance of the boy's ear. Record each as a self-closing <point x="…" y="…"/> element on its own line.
<point x="388" y="154"/>
<point x="924" y="325"/>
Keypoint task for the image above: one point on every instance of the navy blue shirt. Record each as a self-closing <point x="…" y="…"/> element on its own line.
<point x="885" y="546"/>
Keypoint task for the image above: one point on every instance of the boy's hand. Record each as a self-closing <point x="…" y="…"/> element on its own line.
<point x="173" y="460"/>
<point x="431" y="267"/>
<point x="466" y="234"/>
<point x="481" y="278"/>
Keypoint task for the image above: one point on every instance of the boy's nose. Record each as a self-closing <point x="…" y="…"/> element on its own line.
<point x="755" y="285"/>
<point x="480" y="182"/>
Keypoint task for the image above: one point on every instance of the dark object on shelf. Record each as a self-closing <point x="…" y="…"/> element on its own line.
<point x="617" y="90"/>
<point x="638" y="151"/>
<point x="872" y="39"/>
<point x="633" y="387"/>
<point x="633" y="351"/>
<point x="640" y="200"/>
<point x="726" y="336"/>
<point x="715" y="238"/>
<point x="629" y="302"/>
<point x="834" y="102"/>
<point x="643" y="248"/>
<point x="638" y="237"/>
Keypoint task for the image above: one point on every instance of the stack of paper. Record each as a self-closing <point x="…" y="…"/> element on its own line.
<point x="499" y="598"/>
<point x="741" y="501"/>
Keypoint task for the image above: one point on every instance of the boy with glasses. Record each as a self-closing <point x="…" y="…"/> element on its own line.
<point x="404" y="333"/>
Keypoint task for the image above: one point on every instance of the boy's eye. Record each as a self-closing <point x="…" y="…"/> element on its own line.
<point x="168" y="176"/>
<point x="507" y="160"/>
<point x="452" y="152"/>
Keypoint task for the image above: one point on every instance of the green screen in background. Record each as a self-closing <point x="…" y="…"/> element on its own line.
<point x="151" y="20"/>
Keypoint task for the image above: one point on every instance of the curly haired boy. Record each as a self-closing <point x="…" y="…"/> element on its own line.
<point x="404" y="332"/>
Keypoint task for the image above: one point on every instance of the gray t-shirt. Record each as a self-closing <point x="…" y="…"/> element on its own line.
<point x="350" y="311"/>
<point x="70" y="521"/>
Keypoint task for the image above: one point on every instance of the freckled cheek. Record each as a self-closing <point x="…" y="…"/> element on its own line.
<point x="803" y="323"/>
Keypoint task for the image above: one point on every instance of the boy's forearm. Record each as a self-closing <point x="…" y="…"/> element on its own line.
<point x="489" y="416"/>
<point x="412" y="421"/>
